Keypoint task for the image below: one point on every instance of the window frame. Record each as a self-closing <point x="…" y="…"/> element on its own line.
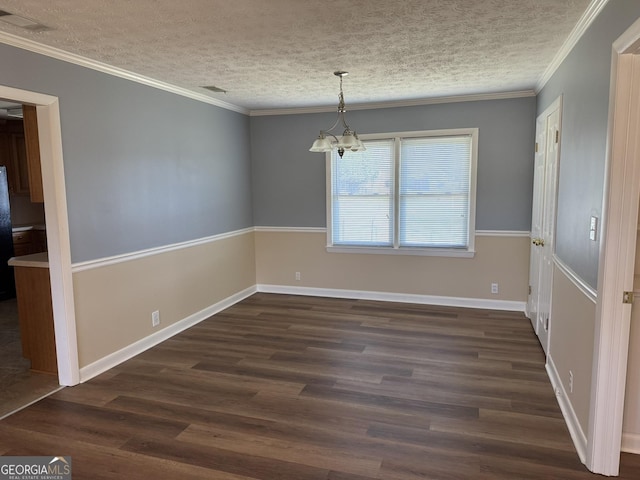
<point x="396" y="249"/>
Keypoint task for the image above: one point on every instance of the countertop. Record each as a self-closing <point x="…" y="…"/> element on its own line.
<point x="37" y="260"/>
<point x="24" y="228"/>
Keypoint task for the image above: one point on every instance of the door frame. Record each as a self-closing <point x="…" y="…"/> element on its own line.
<point x="57" y="225"/>
<point x="616" y="256"/>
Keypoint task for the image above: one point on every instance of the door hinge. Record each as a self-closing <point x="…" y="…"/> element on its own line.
<point x="536" y="147"/>
<point x="529" y="289"/>
<point x="627" y="297"/>
<point x="546" y="324"/>
<point x="557" y="136"/>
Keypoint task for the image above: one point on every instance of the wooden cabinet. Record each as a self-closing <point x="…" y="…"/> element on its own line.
<point x="26" y="242"/>
<point x="32" y="147"/>
<point x="21" y="243"/>
<point x="13" y="155"/>
<point x="35" y="314"/>
<point x="20" y="153"/>
<point x="38" y="241"/>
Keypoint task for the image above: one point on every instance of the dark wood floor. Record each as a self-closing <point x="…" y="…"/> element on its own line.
<point x="284" y="387"/>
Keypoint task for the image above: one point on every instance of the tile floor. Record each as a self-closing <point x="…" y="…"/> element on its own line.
<point x="18" y="385"/>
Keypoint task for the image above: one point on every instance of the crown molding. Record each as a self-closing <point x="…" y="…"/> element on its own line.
<point x="52" y="52"/>
<point x="401" y="103"/>
<point x="592" y="11"/>
<point x="587" y="18"/>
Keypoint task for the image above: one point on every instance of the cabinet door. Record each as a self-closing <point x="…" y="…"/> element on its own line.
<point x="22" y="244"/>
<point x="20" y="169"/>
<point x="32" y="141"/>
<point x="13" y="156"/>
<point x="38" y="241"/>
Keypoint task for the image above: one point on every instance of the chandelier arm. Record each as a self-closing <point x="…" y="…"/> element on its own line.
<point x="344" y="123"/>
<point x="326" y="132"/>
<point x="340" y="116"/>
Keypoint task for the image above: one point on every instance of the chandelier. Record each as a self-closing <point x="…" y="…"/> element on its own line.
<point x="349" y="139"/>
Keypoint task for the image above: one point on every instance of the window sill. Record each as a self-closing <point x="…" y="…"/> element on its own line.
<point x="422" y="252"/>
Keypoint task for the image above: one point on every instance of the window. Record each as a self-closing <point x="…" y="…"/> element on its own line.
<point x="410" y="193"/>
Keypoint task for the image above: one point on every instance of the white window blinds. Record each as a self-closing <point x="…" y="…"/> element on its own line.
<point x="408" y="192"/>
<point x="434" y="191"/>
<point x="362" y="195"/>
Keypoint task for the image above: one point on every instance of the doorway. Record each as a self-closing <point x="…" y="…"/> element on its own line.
<point x="22" y="235"/>
<point x="57" y="227"/>
<point x="617" y="255"/>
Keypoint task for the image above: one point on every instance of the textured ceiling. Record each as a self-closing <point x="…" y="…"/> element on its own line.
<point x="281" y="53"/>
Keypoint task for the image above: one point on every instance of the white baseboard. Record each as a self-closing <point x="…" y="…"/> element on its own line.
<point x="630" y="443"/>
<point x="569" y="414"/>
<point x="110" y="361"/>
<point x="396" y="297"/>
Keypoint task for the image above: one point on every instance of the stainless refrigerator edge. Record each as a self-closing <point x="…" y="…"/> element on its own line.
<point x="7" y="282"/>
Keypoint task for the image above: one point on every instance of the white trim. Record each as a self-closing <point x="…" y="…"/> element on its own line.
<point x="68" y="57"/>
<point x="631" y="443"/>
<point x="291" y="229"/>
<point x="396" y="104"/>
<point x="503" y="233"/>
<point x="628" y="42"/>
<point x="125" y="257"/>
<point x="569" y="414"/>
<point x="472" y="132"/>
<point x="418" y="252"/>
<point x="57" y="226"/>
<point x="136" y="348"/>
<point x="479" y="233"/>
<point x="473" y="190"/>
<point x="587" y="18"/>
<point x="616" y="256"/>
<point x="573" y="277"/>
<point x="482" y="303"/>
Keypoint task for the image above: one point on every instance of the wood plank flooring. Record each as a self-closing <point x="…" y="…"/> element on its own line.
<point x="286" y="387"/>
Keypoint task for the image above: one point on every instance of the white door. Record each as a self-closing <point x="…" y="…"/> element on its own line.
<point x="543" y="221"/>
<point x="536" y="221"/>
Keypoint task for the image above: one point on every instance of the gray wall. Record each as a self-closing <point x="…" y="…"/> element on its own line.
<point x="583" y="80"/>
<point x="143" y="167"/>
<point x="289" y="181"/>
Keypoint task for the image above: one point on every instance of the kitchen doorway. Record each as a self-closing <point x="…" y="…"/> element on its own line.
<point x="57" y="227"/>
<point x="22" y="236"/>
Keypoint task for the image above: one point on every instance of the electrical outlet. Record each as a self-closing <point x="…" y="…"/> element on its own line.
<point x="494" y="288"/>
<point x="155" y="318"/>
<point x="298" y="276"/>
<point x="570" y="381"/>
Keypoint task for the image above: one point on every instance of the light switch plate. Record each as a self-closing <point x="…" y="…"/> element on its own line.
<point x="593" y="228"/>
